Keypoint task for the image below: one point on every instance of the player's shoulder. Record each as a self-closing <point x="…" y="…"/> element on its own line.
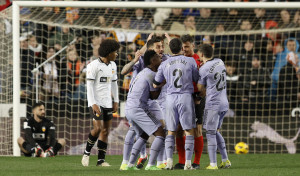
<point x="48" y="121"/>
<point x="29" y="120"/>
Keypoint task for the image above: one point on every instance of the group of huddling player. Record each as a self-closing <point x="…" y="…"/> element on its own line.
<point x="169" y="95"/>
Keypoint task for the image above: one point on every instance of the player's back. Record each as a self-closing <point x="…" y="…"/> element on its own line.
<point x="213" y="75"/>
<point x="140" y="88"/>
<point x="179" y="72"/>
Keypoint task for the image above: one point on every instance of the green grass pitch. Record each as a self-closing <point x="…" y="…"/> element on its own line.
<point x="242" y="165"/>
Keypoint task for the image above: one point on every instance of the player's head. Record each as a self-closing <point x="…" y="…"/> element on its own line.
<point x="151" y="58"/>
<point x="175" y="45"/>
<point x="38" y="110"/>
<point x="156" y="45"/>
<point x="205" y="51"/>
<point x="108" y="49"/>
<point x="188" y="45"/>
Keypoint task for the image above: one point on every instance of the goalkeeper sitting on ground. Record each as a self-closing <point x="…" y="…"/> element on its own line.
<point x="37" y="132"/>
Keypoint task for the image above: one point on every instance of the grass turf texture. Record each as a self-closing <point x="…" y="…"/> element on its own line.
<point x="250" y="164"/>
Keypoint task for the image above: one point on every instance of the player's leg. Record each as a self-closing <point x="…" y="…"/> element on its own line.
<point x="93" y="136"/>
<point x="172" y="121"/>
<point x="143" y="156"/>
<point x="211" y="120"/>
<point x="128" y="143"/>
<point x="187" y="121"/>
<point x="30" y="150"/>
<point x="180" y="143"/>
<point x="199" y="144"/>
<point x="221" y="144"/>
<point x="155" y="149"/>
<point x="103" y="137"/>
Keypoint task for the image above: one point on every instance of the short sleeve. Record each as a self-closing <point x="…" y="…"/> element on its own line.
<point x="195" y="72"/>
<point x="202" y="76"/>
<point x="51" y="125"/>
<point x="115" y="75"/>
<point x="90" y="72"/>
<point x="138" y="66"/>
<point x="26" y="125"/>
<point x="152" y="89"/>
<point x="159" y="77"/>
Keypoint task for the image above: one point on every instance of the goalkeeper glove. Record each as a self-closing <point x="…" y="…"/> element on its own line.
<point x="49" y="152"/>
<point x="38" y="151"/>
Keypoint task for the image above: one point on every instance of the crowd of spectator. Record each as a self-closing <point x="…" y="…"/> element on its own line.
<point x="262" y="67"/>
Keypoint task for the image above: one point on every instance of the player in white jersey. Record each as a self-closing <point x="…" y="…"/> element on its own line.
<point x="101" y="84"/>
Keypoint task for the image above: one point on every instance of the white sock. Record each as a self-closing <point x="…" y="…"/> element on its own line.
<point x="125" y="162"/>
<point x="143" y="155"/>
<point x="213" y="164"/>
<point x="188" y="162"/>
<point x="130" y="165"/>
<point x="159" y="163"/>
<point x="170" y="160"/>
<point x="224" y="160"/>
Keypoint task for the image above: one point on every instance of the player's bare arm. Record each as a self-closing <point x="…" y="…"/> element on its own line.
<point x="154" y="94"/>
<point x="202" y="90"/>
<point x="144" y="48"/>
<point x="128" y="67"/>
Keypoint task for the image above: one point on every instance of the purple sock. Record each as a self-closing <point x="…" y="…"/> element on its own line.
<point x="143" y="150"/>
<point x="128" y="143"/>
<point x="136" y="150"/>
<point x="161" y="153"/>
<point x="221" y="146"/>
<point x="189" y="147"/>
<point x="155" y="149"/>
<point x="169" y="146"/>
<point x="212" y="147"/>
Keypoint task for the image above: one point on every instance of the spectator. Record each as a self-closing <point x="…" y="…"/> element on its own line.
<point x="206" y="22"/>
<point x="80" y="92"/>
<point x="246" y="55"/>
<point x="95" y="41"/>
<point x="189" y="24"/>
<point x="27" y="65"/>
<point x="50" y="73"/>
<point x="274" y="36"/>
<point x="285" y="20"/>
<point x="290" y="45"/>
<point x="139" y="21"/>
<point x="74" y="67"/>
<point x="175" y="17"/>
<point x="288" y="83"/>
<point x="259" y="19"/>
<point x="34" y="46"/>
<point x="40" y="138"/>
<point x="61" y="38"/>
<point x="231" y="19"/>
<point x="257" y="82"/>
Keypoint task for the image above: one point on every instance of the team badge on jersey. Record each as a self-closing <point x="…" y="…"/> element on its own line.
<point x="43" y="129"/>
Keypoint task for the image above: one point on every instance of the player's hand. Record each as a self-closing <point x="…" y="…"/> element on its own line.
<point x="150" y="36"/>
<point x="137" y="55"/>
<point x="168" y="37"/>
<point x="115" y="107"/>
<point x="49" y="152"/>
<point x="96" y="110"/>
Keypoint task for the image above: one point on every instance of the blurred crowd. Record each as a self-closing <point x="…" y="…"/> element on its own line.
<point x="262" y="67"/>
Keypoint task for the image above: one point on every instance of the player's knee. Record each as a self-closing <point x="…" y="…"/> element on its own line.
<point x="159" y="132"/>
<point x="62" y="142"/>
<point x="145" y="136"/>
<point x="20" y="141"/>
<point x="104" y="132"/>
<point x="189" y="132"/>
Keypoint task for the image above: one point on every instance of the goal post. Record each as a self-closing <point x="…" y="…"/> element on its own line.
<point x="258" y="144"/>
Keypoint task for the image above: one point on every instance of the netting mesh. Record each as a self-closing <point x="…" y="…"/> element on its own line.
<point x="258" y="46"/>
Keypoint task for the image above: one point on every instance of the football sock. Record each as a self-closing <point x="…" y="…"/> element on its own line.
<point x="169" y="145"/>
<point x="161" y="153"/>
<point x="89" y="144"/>
<point x="155" y="149"/>
<point x="198" y="148"/>
<point x="128" y="143"/>
<point x="180" y="149"/>
<point x="222" y="146"/>
<point x="136" y="150"/>
<point x="102" y="146"/>
<point x="212" y="147"/>
<point x="189" y="147"/>
<point x="143" y="153"/>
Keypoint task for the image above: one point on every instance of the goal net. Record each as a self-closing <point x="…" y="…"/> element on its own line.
<point x="260" y="47"/>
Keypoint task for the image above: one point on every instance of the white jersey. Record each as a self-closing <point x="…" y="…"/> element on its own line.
<point x="103" y="75"/>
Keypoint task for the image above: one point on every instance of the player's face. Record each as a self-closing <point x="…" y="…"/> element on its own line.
<point x="156" y="60"/>
<point x="158" y="48"/>
<point x="113" y="56"/>
<point x="188" y="49"/>
<point x="39" y="111"/>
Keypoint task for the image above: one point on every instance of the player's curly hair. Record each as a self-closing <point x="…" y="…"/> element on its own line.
<point x="175" y="45"/>
<point x="148" y="56"/>
<point x="108" y="46"/>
